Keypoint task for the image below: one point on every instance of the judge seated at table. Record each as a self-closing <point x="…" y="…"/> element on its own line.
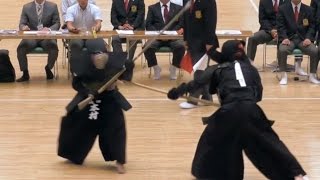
<point x="159" y="15"/>
<point x="296" y="29"/>
<point x="39" y="15"/>
<point x="65" y="4"/>
<point x="83" y="18"/>
<point x="127" y="15"/>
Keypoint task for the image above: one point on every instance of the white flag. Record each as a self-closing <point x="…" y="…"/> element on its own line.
<point x="202" y="63"/>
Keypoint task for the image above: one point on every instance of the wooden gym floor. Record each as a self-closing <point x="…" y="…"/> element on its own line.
<point x="161" y="137"/>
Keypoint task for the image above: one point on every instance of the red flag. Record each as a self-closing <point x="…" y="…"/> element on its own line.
<point x="186" y="63"/>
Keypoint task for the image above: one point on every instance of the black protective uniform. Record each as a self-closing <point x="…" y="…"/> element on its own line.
<point x="103" y="117"/>
<point x="239" y="124"/>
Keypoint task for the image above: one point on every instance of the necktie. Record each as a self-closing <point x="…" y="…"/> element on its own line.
<point x="275" y="6"/>
<point x="165" y="13"/>
<point x="296" y="13"/>
<point x="126" y="3"/>
<point x="39" y="12"/>
<point x="191" y="6"/>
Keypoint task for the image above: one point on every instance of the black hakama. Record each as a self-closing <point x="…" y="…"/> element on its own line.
<point x="236" y="127"/>
<point x="79" y="128"/>
<point x="239" y="124"/>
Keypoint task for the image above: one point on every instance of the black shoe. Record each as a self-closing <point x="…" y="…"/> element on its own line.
<point x="49" y="73"/>
<point x="24" y="77"/>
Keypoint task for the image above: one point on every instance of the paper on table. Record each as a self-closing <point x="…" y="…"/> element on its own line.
<point x="42" y="32"/>
<point x="170" y="32"/>
<point x="30" y="32"/>
<point x="56" y="32"/>
<point x="8" y="31"/>
<point x="151" y="32"/>
<point x="202" y="63"/>
<point x="125" y="32"/>
<point x="232" y="32"/>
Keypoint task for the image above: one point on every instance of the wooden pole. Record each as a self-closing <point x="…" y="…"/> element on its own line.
<point x="190" y="98"/>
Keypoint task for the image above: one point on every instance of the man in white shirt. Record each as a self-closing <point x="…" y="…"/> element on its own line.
<point x="65" y="4"/>
<point x="83" y="17"/>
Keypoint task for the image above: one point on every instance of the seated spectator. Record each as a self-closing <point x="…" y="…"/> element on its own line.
<point x="81" y="18"/>
<point x="315" y="4"/>
<point x="32" y="19"/>
<point x="159" y="15"/>
<point x="65" y="4"/>
<point x="127" y="16"/>
<point x="268" y="10"/>
<point x="296" y="29"/>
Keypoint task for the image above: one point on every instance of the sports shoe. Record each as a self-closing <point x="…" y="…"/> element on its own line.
<point x="186" y="105"/>
<point x="157" y="71"/>
<point x="313" y="78"/>
<point x="173" y="74"/>
<point x="284" y="79"/>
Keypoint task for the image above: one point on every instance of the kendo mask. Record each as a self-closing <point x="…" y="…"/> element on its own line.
<point x="233" y="50"/>
<point x="99" y="59"/>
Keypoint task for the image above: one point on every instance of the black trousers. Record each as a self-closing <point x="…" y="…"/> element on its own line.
<point x="79" y="130"/>
<point x="92" y="45"/>
<point x="27" y="45"/>
<point x="238" y="127"/>
<point x="177" y="47"/>
<point x="76" y="45"/>
<point x="117" y="45"/>
<point x="196" y="53"/>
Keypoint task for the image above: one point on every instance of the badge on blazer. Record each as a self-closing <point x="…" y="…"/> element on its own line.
<point x="305" y="22"/>
<point x="198" y="14"/>
<point x="134" y="8"/>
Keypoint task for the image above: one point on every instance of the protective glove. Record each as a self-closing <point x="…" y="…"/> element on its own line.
<point x="173" y="94"/>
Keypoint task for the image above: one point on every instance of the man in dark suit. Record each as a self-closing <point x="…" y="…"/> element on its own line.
<point x="127" y="15"/>
<point x="159" y="15"/>
<point x="268" y="10"/>
<point x="315" y="4"/>
<point x="200" y="36"/>
<point x="296" y="29"/>
<point x="38" y="15"/>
